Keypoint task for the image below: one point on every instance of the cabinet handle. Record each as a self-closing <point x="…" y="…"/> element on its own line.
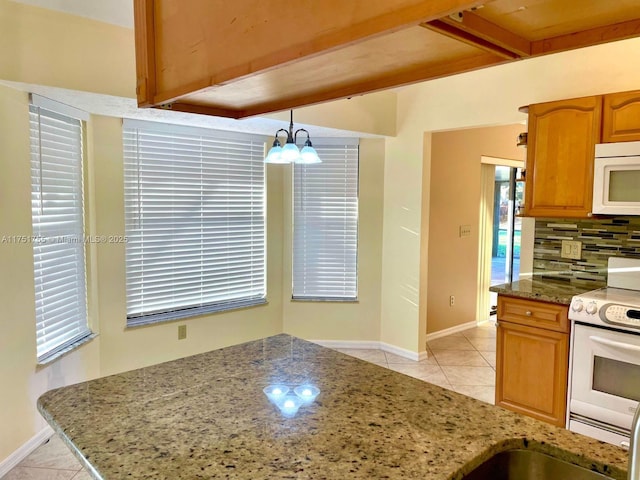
<point x="613" y="343"/>
<point x="528" y="313"/>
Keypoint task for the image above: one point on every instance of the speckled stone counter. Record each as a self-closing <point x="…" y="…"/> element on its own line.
<point x="543" y="290"/>
<point x="206" y="416"/>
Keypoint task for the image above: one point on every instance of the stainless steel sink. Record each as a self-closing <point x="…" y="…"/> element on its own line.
<point x="529" y="465"/>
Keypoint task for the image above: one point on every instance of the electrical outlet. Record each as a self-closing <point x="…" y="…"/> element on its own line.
<point x="452" y="301"/>
<point x="571" y="249"/>
<point x="182" y="332"/>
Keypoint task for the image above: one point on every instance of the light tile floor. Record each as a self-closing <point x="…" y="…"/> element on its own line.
<point x="51" y="461"/>
<point x="463" y="362"/>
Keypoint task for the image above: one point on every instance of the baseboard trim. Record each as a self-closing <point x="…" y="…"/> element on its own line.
<point x="372" y="344"/>
<point x="456" y="329"/>
<point x="355" y="344"/>
<point x="403" y="352"/>
<point x="23" y="452"/>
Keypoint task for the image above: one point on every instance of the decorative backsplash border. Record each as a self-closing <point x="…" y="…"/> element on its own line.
<point x="601" y="238"/>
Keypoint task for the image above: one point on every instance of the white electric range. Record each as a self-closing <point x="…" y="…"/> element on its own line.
<point x="605" y="355"/>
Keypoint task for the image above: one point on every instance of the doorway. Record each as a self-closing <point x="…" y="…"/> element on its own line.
<point x="501" y="230"/>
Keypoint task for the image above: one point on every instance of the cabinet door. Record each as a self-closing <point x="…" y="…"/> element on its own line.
<point x="621" y="117"/>
<point x="531" y="371"/>
<point x="560" y="154"/>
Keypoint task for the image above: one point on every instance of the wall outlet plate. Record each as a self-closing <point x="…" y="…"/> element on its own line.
<point x="182" y="332"/>
<point x="571" y="249"/>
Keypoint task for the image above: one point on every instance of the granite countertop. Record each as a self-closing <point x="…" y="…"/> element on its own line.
<point x="206" y="416"/>
<point x="541" y="289"/>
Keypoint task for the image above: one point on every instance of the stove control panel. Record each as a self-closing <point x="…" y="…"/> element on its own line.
<point x="620" y="315"/>
<point x="582" y="308"/>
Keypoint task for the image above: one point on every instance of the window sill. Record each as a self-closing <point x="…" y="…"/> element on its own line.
<point x="325" y="300"/>
<point x="187" y="314"/>
<point x="48" y="359"/>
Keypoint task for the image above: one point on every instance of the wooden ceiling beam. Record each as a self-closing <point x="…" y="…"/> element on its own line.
<point x="395" y="79"/>
<point x="145" y="52"/>
<point x="201" y="109"/>
<point x="585" y="38"/>
<point x="192" y="56"/>
<point x="407" y="77"/>
<point x="476" y="26"/>
<point x="454" y="32"/>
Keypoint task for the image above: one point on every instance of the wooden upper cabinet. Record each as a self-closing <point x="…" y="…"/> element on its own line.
<point x="560" y="156"/>
<point x="621" y="117"/>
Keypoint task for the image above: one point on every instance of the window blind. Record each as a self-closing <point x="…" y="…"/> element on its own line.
<point x="58" y="231"/>
<point x="194" y="221"/>
<point x="325" y="224"/>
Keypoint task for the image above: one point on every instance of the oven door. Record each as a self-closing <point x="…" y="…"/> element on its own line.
<point x="615" y="185"/>
<point x="605" y="381"/>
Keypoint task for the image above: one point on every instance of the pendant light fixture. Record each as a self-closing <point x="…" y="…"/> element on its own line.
<point x="290" y="152"/>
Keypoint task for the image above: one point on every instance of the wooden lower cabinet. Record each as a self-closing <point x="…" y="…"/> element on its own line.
<point x="531" y="368"/>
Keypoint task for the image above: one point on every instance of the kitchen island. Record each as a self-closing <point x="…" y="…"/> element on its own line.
<point x="206" y="416"/>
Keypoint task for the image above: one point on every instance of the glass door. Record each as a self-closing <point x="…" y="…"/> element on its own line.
<point x="507" y="227"/>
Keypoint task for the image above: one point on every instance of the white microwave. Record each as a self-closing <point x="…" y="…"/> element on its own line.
<point x="616" y="179"/>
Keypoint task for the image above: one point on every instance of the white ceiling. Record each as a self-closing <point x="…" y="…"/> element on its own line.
<point x="116" y="12"/>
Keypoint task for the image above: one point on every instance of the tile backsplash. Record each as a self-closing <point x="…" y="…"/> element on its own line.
<point x="601" y="239"/>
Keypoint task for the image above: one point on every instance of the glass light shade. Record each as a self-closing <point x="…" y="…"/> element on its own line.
<point x="275" y="156"/>
<point x="275" y="393"/>
<point x="290" y="153"/>
<point x="306" y="393"/>
<point x="289" y="405"/>
<point x="308" y="156"/>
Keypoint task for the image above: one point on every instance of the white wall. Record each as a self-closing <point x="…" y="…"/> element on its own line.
<point x="46" y="47"/>
<point x="401" y="270"/>
<point x="21" y="380"/>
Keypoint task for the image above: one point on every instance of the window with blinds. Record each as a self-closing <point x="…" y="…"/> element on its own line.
<point x="194" y="221"/>
<point x="325" y="225"/>
<point x="58" y="229"/>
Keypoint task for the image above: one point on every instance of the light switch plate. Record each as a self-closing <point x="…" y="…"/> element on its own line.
<point x="465" y="230"/>
<point x="571" y="249"/>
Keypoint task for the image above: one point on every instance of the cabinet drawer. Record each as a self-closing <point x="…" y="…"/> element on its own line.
<point x="533" y="313"/>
